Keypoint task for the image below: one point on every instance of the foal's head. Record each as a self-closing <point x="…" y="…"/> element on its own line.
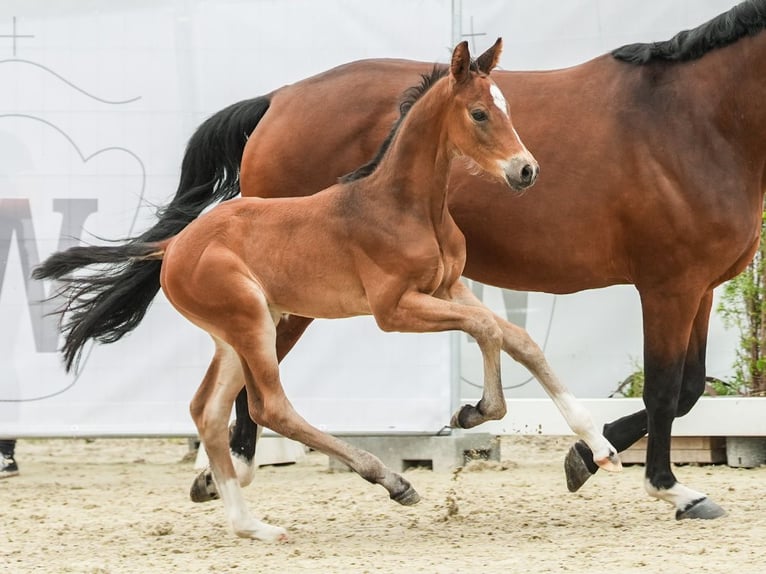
<point x="480" y="125"/>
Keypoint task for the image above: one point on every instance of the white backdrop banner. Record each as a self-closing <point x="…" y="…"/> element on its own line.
<point x="97" y="103"/>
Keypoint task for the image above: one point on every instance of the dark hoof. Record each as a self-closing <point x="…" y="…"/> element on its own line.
<point x="575" y="468"/>
<point x="407" y="498"/>
<point x="467" y="417"/>
<point x="203" y="488"/>
<point x="703" y="508"/>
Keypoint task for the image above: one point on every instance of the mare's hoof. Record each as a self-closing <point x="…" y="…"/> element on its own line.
<point x="575" y="468"/>
<point x="406" y="498"/>
<point x="703" y="508"/>
<point x="203" y="488"/>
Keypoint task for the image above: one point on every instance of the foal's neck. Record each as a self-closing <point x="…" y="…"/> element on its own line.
<point x="415" y="170"/>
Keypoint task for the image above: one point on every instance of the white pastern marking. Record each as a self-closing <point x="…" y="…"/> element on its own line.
<point x="499" y="98"/>
<point x="678" y="495"/>
<point x="240" y="519"/>
<point x="233" y="502"/>
<point x="581" y="422"/>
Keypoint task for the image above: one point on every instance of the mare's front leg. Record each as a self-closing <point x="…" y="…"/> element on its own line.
<point x="625" y="431"/>
<point x="665" y="358"/>
<point x="520" y="346"/>
<point x="628" y="429"/>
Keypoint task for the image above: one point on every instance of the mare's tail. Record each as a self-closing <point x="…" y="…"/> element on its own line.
<point x="107" y="304"/>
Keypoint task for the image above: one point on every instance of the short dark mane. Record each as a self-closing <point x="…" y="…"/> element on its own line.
<point x="407" y="100"/>
<point x="745" y="19"/>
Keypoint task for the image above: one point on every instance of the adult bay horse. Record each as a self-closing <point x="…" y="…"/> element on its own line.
<point x="654" y="169"/>
<point x="653" y="160"/>
<point x="382" y="243"/>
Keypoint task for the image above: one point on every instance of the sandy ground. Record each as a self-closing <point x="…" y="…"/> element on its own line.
<point x="114" y="506"/>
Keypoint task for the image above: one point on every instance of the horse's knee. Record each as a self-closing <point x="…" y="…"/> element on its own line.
<point x="489" y="335"/>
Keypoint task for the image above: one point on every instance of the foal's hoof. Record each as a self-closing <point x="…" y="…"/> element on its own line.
<point x="467" y="417"/>
<point x="406" y="498"/>
<point x="611" y="463"/>
<point x="703" y="508"/>
<point x="203" y="488"/>
<point x="575" y="467"/>
<point x="261" y="531"/>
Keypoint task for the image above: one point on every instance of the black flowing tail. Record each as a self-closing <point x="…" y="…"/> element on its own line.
<point x="106" y="304"/>
<point x="110" y="302"/>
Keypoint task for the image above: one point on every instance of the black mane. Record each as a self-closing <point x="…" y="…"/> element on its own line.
<point x="745" y="19"/>
<point x="408" y="99"/>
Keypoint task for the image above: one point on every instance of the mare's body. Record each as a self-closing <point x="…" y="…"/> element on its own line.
<point x="653" y="172"/>
<point x="654" y="168"/>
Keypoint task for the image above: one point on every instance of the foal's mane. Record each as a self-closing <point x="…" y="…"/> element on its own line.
<point x="745" y="19"/>
<point x="407" y="100"/>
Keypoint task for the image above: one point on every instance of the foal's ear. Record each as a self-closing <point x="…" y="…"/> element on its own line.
<point x="489" y="59"/>
<point x="460" y="69"/>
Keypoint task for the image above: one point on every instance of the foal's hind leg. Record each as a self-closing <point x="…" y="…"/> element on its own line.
<point x="210" y="410"/>
<point x="244" y="433"/>
<point x="270" y="407"/>
<point x="242" y="441"/>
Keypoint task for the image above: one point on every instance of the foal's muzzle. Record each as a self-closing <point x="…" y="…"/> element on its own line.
<point x="521" y="172"/>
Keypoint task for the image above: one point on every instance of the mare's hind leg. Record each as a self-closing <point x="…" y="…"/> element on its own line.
<point x="244" y="433"/>
<point x="210" y="410"/>
<point x="625" y="431"/>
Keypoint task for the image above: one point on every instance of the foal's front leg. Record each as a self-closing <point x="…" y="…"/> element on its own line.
<point x="417" y="312"/>
<point x="492" y="405"/>
<point x="520" y="346"/>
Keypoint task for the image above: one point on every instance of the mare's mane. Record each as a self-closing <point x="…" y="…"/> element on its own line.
<point x="407" y="100"/>
<point x="745" y="19"/>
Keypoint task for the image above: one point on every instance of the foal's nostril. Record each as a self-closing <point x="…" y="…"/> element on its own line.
<point x="527" y="174"/>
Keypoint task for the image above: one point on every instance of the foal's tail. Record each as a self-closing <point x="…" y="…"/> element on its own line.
<point x="106" y="305"/>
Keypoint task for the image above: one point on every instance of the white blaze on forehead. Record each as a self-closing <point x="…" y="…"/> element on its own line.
<point x="498" y="97"/>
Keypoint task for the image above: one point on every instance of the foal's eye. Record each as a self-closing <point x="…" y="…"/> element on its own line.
<point x="479" y="115"/>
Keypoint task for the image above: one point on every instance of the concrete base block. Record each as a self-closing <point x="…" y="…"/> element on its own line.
<point x="745" y="451"/>
<point x="438" y="453"/>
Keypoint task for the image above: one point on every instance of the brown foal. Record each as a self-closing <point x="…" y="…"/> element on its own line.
<point x="381" y="244"/>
